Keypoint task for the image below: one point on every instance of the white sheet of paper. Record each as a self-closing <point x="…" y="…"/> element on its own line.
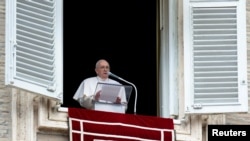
<point x="110" y="92"/>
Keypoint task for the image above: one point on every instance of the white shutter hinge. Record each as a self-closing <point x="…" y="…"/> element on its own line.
<point x="14" y="50"/>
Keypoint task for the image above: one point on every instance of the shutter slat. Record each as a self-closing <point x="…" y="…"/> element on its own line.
<point x="35" y="47"/>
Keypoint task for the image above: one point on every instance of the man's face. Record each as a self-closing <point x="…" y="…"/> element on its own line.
<point x="102" y="69"/>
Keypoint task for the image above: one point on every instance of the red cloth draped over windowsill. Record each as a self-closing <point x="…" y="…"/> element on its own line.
<point x="89" y="125"/>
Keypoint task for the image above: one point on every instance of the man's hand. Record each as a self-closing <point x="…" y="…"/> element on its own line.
<point x="118" y="100"/>
<point x="97" y="95"/>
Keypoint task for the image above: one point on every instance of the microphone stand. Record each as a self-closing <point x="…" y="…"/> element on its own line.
<point x="130" y="84"/>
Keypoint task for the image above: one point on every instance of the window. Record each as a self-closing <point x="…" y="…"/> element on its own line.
<point x="215" y="56"/>
<point x="34" y="46"/>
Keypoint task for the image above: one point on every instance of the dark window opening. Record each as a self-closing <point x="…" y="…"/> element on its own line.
<point x="124" y="33"/>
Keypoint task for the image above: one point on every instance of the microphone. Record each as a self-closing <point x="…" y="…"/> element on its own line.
<point x="115" y="76"/>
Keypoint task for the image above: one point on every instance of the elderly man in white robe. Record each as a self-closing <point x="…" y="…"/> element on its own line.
<point x="86" y="93"/>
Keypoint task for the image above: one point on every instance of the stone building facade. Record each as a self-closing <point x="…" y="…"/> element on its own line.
<point x="25" y="116"/>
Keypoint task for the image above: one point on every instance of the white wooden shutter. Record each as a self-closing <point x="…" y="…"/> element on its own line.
<point x="215" y="56"/>
<point x="34" y="46"/>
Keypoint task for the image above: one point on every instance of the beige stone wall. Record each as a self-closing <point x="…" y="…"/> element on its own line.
<point x="243" y="118"/>
<point x="5" y="98"/>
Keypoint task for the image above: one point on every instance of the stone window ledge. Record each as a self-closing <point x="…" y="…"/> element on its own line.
<point x="51" y="117"/>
